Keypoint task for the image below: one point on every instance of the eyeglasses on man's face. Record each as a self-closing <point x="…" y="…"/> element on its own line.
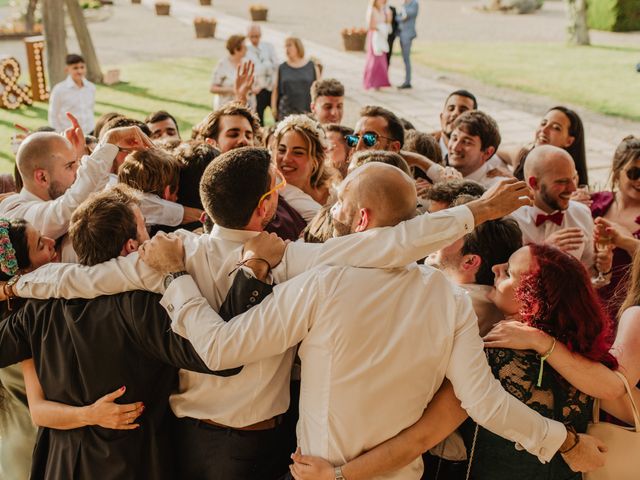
<point x="369" y="139"/>
<point x="280" y="184"/>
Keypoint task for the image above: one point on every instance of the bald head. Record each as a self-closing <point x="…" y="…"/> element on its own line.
<point x="545" y="158"/>
<point x="388" y="192"/>
<point x="254" y="33"/>
<point x="551" y="173"/>
<point x="42" y="150"/>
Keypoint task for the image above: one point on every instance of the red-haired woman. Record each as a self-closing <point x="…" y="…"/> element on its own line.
<point x="550" y="290"/>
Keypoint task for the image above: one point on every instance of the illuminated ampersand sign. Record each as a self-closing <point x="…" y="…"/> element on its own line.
<point x="12" y="94"/>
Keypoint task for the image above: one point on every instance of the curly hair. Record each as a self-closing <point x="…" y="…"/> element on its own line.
<point x="558" y="298"/>
<point x="315" y="138"/>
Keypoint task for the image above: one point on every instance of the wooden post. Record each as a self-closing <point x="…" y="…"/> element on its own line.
<point x="55" y="38"/>
<point x="29" y="18"/>
<point x="577" y="30"/>
<point x="35" y="57"/>
<point x="84" y="39"/>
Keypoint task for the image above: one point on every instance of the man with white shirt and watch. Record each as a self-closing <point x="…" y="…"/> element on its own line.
<point x="363" y="353"/>
<point x="57" y="177"/>
<point x="239" y="192"/>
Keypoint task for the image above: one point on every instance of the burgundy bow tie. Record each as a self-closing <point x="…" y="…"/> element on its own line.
<point x="554" y="217"/>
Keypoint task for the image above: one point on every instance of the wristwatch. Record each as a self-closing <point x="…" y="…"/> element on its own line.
<point x="337" y="471"/>
<point x="170" y="277"/>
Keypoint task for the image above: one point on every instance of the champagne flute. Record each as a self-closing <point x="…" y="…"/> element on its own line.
<point x="603" y="242"/>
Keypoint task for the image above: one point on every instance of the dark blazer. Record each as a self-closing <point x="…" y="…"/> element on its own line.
<point x="84" y="349"/>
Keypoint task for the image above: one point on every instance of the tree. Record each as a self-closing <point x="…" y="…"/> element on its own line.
<point x="577" y="30"/>
<point x="56" y="39"/>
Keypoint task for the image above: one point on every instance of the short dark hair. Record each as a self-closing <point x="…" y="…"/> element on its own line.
<point x="494" y="242"/>
<point x="160" y="116"/>
<point x="394" y="125"/>
<point x="479" y="124"/>
<point x="464" y="93"/>
<point x="102" y="224"/>
<point x="195" y="157"/>
<point x="447" y="192"/>
<point x="73" y="58"/>
<point x="390" y="158"/>
<point x="327" y="87"/>
<point x="122" y="121"/>
<point x="209" y="127"/>
<point x="407" y="125"/>
<point x="103" y="120"/>
<point x="233" y="183"/>
<point x="424" y="144"/>
<point x="341" y="129"/>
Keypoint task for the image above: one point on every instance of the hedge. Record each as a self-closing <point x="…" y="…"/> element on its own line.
<point x="614" y="15"/>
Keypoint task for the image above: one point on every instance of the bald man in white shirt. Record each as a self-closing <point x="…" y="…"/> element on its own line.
<point x="371" y="339"/>
<point x="57" y="177"/>
<point x="554" y="218"/>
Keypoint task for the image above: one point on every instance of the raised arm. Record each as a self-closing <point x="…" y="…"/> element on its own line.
<point x="104" y="412"/>
<point x="442" y="416"/>
<point x="592" y="378"/>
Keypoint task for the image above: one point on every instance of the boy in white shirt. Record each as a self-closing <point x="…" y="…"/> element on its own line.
<point x="75" y="94"/>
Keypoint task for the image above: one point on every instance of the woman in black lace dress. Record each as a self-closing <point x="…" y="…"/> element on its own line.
<point x="550" y="290"/>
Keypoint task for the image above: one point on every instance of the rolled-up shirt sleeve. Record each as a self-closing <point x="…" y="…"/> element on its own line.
<point x="388" y="247"/>
<point x="484" y="399"/>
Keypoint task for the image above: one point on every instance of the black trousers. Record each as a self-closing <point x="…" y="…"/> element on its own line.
<point x="436" y="468"/>
<point x="207" y="452"/>
<point x="263" y="99"/>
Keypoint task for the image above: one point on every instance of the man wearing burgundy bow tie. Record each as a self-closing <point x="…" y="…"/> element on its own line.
<point x="554" y="218"/>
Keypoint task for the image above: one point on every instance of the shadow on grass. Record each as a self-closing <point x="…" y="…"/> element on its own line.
<point x="144" y="92"/>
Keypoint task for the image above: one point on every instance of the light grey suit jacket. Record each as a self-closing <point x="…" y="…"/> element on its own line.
<point x="407" y="25"/>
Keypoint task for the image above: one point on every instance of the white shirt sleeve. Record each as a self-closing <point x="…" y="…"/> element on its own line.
<point x="158" y="211"/>
<point x="66" y="280"/>
<point x="485" y="400"/>
<point x="54" y="109"/>
<point x="278" y="323"/>
<point x="52" y="217"/>
<point x="388" y="247"/>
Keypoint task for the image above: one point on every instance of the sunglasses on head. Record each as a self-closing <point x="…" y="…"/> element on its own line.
<point x="280" y="184"/>
<point x="369" y="139"/>
<point x="633" y="173"/>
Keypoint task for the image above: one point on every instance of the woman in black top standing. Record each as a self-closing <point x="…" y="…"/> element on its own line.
<point x="292" y="89"/>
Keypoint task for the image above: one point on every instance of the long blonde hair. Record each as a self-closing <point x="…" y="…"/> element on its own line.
<point x="315" y="138"/>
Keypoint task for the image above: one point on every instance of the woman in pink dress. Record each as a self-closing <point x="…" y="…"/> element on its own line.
<point x="379" y="23"/>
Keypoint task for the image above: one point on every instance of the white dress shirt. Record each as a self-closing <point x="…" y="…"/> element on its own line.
<point x="302" y="202"/>
<point x="266" y="62"/>
<point x="52" y="217"/>
<point x="66" y="96"/>
<point x="156" y="210"/>
<point x="376" y="346"/>
<point x="261" y="390"/>
<point x="576" y="215"/>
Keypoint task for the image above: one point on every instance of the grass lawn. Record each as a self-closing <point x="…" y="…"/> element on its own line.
<point x="179" y="86"/>
<point x="601" y="78"/>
